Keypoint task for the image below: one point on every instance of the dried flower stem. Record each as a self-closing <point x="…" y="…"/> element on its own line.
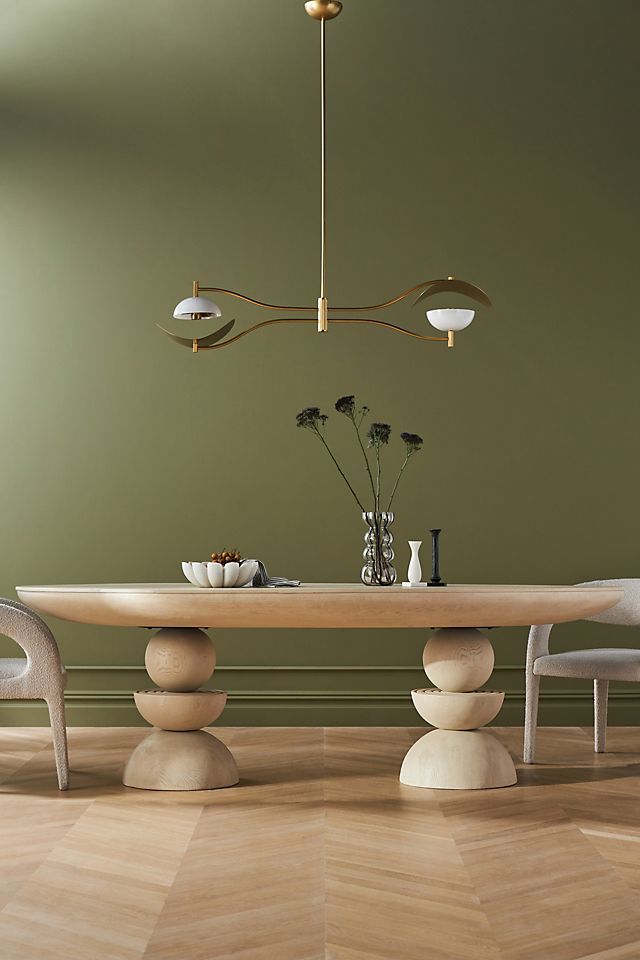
<point x="395" y="486"/>
<point x="340" y="470"/>
<point x="312" y="418"/>
<point x="366" y="458"/>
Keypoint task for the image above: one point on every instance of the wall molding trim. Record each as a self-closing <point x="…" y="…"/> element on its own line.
<point x="248" y="708"/>
<point x="292" y="703"/>
<point x="365" y="668"/>
<point x="355" y="695"/>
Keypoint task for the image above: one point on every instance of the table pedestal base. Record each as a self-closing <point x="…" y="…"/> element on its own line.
<point x="180" y="755"/>
<point x="458" y="760"/>
<point x="457" y="755"/>
<point x="168" y="760"/>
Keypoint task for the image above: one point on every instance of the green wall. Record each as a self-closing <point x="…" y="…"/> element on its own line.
<point x="146" y="144"/>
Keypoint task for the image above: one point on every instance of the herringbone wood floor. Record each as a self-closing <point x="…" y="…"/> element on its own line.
<point x="320" y="853"/>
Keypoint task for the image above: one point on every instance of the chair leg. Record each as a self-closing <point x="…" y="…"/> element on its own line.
<point x="532" y="691"/>
<point x="600" y="700"/>
<point x="59" y="731"/>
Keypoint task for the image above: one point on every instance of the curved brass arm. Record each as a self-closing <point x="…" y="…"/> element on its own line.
<point x="391" y="326"/>
<point x="207" y="343"/>
<point x="257" y="303"/>
<point x="428" y="288"/>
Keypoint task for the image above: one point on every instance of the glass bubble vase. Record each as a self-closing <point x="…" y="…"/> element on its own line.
<point x="378" y="569"/>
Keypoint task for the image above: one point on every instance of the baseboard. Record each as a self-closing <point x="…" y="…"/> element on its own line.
<point x="311" y="708"/>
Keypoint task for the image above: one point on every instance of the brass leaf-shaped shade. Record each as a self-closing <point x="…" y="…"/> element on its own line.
<point x="455" y="286"/>
<point x="202" y="341"/>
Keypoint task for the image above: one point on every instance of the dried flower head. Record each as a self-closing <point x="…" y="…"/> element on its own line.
<point x="346" y="405"/>
<point x="412" y="441"/>
<point x="378" y="433"/>
<point x="311" y="418"/>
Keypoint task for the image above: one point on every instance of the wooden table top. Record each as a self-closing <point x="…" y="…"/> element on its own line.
<point x="337" y="605"/>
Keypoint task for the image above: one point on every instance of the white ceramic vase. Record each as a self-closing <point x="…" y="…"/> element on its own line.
<point x="414" y="575"/>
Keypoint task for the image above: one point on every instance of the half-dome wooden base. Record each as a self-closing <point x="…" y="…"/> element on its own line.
<point x="458" y="760"/>
<point x="167" y="760"/>
<point x="455" y="711"/>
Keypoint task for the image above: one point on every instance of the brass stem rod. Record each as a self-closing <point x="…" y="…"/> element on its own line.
<point x="323" y="164"/>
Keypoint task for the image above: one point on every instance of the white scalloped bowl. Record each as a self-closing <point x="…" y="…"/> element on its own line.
<point x="214" y="574"/>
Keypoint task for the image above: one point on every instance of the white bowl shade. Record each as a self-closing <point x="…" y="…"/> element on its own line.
<point x="450" y="318"/>
<point x="201" y="306"/>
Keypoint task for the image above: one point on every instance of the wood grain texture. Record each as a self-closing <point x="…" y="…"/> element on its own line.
<point x="320" y="853"/>
<point x="168" y="760"/>
<point x="458" y="760"/>
<point x="318" y="605"/>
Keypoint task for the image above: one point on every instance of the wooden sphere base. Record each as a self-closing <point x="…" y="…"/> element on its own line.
<point x="168" y="760"/>
<point x="458" y="659"/>
<point x="180" y="659"/>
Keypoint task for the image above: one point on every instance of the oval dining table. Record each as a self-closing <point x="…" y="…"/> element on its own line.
<point x="180" y="658"/>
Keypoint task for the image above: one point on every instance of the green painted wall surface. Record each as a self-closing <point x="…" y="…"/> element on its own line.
<point x="145" y="144"/>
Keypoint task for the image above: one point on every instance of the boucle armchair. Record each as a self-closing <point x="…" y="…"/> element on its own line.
<point x="600" y="665"/>
<point x="41" y="676"/>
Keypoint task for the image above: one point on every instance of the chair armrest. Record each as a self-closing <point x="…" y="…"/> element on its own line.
<point x="30" y="632"/>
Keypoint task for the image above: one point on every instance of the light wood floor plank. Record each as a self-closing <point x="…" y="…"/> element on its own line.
<point x="393" y="873"/>
<point x="545" y="889"/>
<point x="19" y="746"/>
<point x="251" y="886"/>
<point x="29" y="830"/>
<point x="630" y="951"/>
<point x="101" y="889"/>
<point x="320" y="854"/>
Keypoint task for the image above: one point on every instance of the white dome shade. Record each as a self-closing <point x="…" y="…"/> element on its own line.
<point x="450" y="318"/>
<point x="201" y="306"/>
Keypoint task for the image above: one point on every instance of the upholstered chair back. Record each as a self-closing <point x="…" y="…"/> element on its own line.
<point x="625" y="612"/>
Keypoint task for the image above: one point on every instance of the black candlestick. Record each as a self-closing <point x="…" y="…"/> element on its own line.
<point x="436" y="580"/>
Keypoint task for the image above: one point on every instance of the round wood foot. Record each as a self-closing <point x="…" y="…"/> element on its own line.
<point x="458" y="760"/>
<point x="180" y="761"/>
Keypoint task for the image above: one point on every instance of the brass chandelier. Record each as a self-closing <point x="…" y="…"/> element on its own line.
<point x="448" y="320"/>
